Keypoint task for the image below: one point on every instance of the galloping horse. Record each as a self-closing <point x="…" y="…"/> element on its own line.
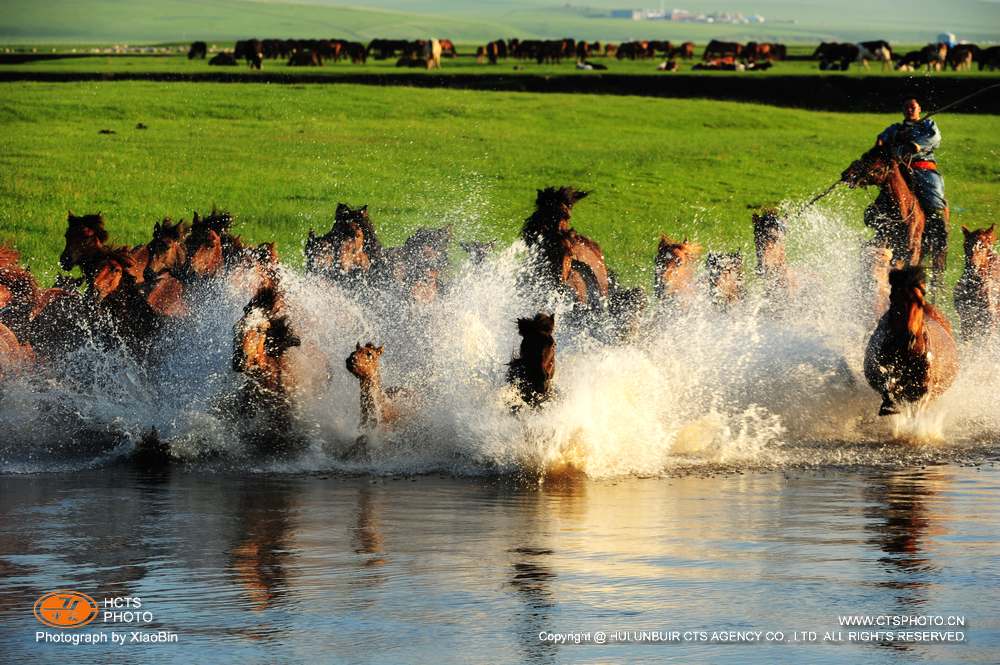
<point x="911" y="355"/>
<point x="347" y="252"/>
<point x="896" y="215"/>
<point x="977" y="293"/>
<point x="673" y="279"/>
<point x="571" y="259"/>
<point x="416" y="268"/>
<point x="532" y="370"/>
<point x="769" y="243"/>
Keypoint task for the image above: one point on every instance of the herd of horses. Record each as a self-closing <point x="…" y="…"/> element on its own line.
<point x="427" y="53"/>
<point x="932" y="57"/>
<point x="127" y="296"/>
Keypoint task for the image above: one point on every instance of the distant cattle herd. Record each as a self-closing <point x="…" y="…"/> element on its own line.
<point x="720" y="55"/>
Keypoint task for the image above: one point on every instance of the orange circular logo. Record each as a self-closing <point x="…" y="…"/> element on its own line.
<point x="65" y="609"/>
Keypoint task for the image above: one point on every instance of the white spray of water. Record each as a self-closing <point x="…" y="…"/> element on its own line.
<point x="756" y="386"/>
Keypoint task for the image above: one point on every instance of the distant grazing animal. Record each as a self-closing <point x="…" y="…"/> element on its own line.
<point x="962" y="56"/>
<point x="725" y="278"/>
<point x="347" y="252"/>
<point x="223" y="59"/>
<point x="896" y="215"/>
<point x="989" y="58"/>
<point x="716" y="50"/>
<point x="305" y="59"/>
<point x="531" y="371"/>
<point x="911" y="356"/>
<point x="878" y="51"/>
<point x="673" y="277"/>
<point x="432" y="54"/>
<point x="568" y="258"/>
<point x="198" y="50"/>
<point x="668" y="66"/>
<point x="977" y="293"/>
<point x="836" y="55"/>
<point x="685" y="51"/>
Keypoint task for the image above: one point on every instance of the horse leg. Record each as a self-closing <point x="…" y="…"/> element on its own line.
<point x="888" y="407"/>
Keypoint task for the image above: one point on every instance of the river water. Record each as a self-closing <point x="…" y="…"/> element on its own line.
<point x="718" y="474"/>
<point x="313" y="568"/>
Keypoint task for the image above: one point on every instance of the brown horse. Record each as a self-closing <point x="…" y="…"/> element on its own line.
<point x="347" y="252"/>
<point x="261" y="339"/>
<point x="380" y="408"/>
<point x="676" y="262"/>
<point x="167" y="261"/>
<point x="531" y="371"/>
<point x="896" y="214"/>
<point x="569" y="258"/>
<point x="911" y="355"/>
<point x="772" y="264"/>
<point x="725" y="278"/>
<point x="18" y="293"/>
<point x="13" y="354"/>
<point x="220" y="222"/>
<point x="85" y="238"/>
<point x="417" y="267"/>
<point x="203" y="250"/>
<point x="977" y="293"/>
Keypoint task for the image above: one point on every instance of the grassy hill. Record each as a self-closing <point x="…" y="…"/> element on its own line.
<point x="281" y="157"/>
<point x="136" y="21"/>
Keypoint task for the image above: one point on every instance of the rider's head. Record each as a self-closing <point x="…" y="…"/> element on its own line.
<point x="911" y="109"/>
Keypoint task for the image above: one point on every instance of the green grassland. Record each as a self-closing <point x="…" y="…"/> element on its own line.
<point x="144" y="21"/>
<point x="281" y="157"/>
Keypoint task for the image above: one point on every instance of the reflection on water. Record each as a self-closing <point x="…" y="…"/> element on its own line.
<point x="266" y="568"/>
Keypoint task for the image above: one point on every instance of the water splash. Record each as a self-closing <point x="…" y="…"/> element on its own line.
<point x="758" y="386"/>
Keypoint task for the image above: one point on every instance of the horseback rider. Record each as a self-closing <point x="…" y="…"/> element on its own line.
<point x="913" y="142"/>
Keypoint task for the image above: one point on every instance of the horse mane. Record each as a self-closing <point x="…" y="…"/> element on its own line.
<point x="552" y="206"/>
<point x="95" y="222"/>
<point x="908" y="285"/>
<point x="167" y="231"/>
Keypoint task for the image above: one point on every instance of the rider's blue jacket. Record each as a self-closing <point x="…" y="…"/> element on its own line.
<point x="924" y="133"/>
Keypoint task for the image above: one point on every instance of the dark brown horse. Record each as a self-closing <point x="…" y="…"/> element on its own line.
<point x="417" y="267"/>
<point x="896" y="214"/>
<point x="725" y="278"/>
<point x="911" y="355"/>
<point x="977" y="293"/>
<point x="772" y="263"/>
<point x="347" y="252"/>
<point x="85" y="238"/>
<point x="261" y="339"/>
<point x="531" y="371"/>
<point x="568" y="258"/>
<point x="673" y="277"/>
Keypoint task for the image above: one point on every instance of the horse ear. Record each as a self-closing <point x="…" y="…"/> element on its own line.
<point x="312" y="235"/>
<point x="379" y="349"/>
<point x="357" y="346"/>
<point x="965" y="230"/>
<point x="195" y="219"/>
<point x="992" y="226"/>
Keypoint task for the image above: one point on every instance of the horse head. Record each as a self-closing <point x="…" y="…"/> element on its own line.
<point x="203" y="249"/>
<point x="167" y="250"/>
<point x="553" y="208"/>
<point x="364" y="361"/>
<point x="871" y="168"/>
<point x="85" y="235"/>
<point x="979" y="254"/>
<point x="769" y="240"/>
<point x="675" y="263"/>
